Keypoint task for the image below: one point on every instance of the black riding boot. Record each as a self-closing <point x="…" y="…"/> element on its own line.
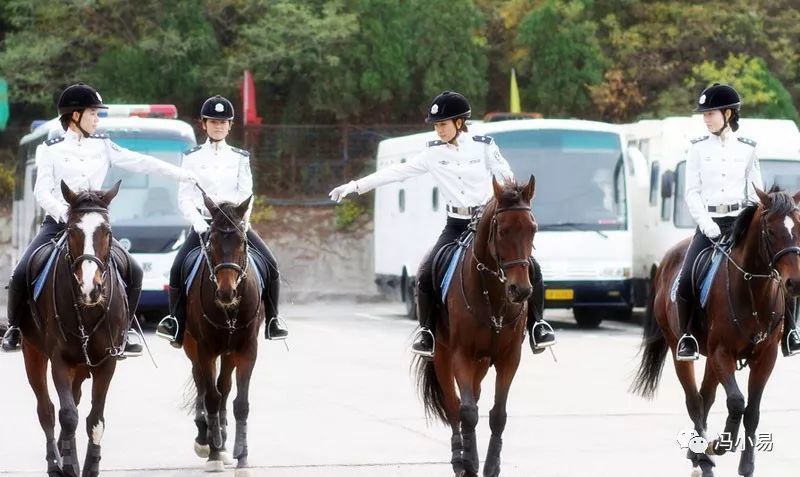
<point x="172" y="326"/>
<point x="16" y="300"/>
<point x="133" y="348"/>
<point x="426" y="306"/>
<point x="790" y="344"/>
<point x="540" y="333"/>
<point x="687" y="345"/>
<point x="276" y="327"/>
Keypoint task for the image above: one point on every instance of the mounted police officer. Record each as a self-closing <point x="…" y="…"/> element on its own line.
<point x="224" y="174"/>
<point x="81" y="159"/>
<point x="462" y="167"/>
<point x="721" y="171"/>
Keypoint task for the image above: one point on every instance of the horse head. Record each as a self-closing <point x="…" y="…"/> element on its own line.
<point x="89" y="240"/>
<point x="779" y="218"/>
<point x="511" y="232"/>
<point x="227" y="248"/>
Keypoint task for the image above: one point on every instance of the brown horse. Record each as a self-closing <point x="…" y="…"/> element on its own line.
<point x="79" y="326"/>
<point x="223" y="316"/>
<point x="743" y="321"/>
<point x="482" y="325"/>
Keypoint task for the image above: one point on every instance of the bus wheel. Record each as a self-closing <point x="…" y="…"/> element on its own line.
<point x="410" y="299"/>
<point x="588" y="317"/>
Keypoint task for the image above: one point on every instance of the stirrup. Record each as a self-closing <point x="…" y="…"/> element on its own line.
<point x="789" y="351"/>
<point x="138" y="341"/>
<point x="548" y="330"/>
<point x="424" y="354"/>
<point x="696" y="354"/>
<point x="166" y="336"/>
<point x="6" y="335"/>
<point x="280" y="321"/>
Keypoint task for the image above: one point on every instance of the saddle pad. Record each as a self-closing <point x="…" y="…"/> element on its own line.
<point x="41" y="278"/>
<point x="451" y="268"/>
<point x="708" y="279"/>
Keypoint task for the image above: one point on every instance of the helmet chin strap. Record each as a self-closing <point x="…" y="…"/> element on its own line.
<point x="78" y="123"/>
<point x="724" y="125"/>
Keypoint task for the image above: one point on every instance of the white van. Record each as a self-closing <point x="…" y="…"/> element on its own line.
<point x="587" y="185"/>
<point x="665" y="143"/>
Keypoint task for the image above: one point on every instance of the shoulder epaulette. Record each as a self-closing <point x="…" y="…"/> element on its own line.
<point x="194" y="149"/>
<point x="486" y="139"/>
<point x="437" y="142"/>
<point x="747" y="141"/>
<point x="699" y="139"/>
<point x="241" y="151"/>
<point x="99" y="136"/>
<point x="54" y="140"/>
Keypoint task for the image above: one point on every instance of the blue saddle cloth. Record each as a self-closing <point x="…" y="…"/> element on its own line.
<point x="41" y="278"/>
<point x="705" y="271"/>
<point x="446" y="261"/>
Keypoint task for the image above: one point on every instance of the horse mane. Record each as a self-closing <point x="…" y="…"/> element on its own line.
<point x="780" y="203"/>
<point x="512" y="193"/>
<point x="92" y="198"/>
<point x="229" y="209"/>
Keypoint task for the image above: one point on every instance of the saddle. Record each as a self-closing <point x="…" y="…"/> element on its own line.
<point x="446" y="261"/>
<point x="191" y="265"/>
<point x="43" y="259"/>
<point x="704" y="270"/>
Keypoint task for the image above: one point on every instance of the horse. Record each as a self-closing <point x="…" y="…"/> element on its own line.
<point x="79" y="325"/>
<point x="742" y="321"/>
<point x="223" y="316"/>
<point x="482" y="325"/>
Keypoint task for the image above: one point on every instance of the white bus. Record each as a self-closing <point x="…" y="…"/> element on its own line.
<point x="665" y="143"/>
<point x="144" y="215"/>
<point x="587" y="182"/>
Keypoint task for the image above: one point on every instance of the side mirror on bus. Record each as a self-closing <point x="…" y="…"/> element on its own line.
<point x="667" y="184"/>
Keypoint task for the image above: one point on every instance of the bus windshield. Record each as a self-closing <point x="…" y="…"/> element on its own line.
<point x="147" y="200"/>
<point x="580" y="176"/>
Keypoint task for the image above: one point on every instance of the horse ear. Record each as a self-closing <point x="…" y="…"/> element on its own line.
<point x="241" y="209"/>
<point x="69" y="196"/>
<point x="796" y="197"/>
<point x="762" y="196"/>
<point x="210" y="205"/>
<point x="109" y="195"/>
<point x="530" y="189"/>
<point x="498" y="189"/>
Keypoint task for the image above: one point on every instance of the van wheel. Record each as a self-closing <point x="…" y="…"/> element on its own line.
<point x="588" y="317"/>
<point x="410" y="299"/>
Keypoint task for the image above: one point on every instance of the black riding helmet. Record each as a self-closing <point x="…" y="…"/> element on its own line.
<point x="721" y="97"/>
<point x="217" y="107"/>
<point x="448" y="105"/>
<point x="78" y="97"/>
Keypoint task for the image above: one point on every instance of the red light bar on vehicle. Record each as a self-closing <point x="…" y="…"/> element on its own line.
<point x="166" y="111"/>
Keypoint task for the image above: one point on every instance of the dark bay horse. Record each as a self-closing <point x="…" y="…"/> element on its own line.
<point x="79" y="324"/>
<point x="482" y="325"/>
<point x="743" y="321"/>
<point x="223" y="316"/>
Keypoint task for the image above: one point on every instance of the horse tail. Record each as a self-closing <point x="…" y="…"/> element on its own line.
<point x="653" y="350"/>
<point x="430" y="390"/>
<point x="189" y="396"/>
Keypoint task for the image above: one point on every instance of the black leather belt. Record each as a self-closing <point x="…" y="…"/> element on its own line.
<point x="725" y="208"/>
<point x="461" y="210"/>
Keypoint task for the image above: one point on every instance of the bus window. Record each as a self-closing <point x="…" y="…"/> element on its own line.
<point x="654" y="177"/>
<point x="435" y="199"/>
<point x="682" y="219"/>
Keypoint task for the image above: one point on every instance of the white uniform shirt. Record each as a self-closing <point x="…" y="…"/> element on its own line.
<point x="721" y="170"/>
<point x="462" y="171"/>
<point x="222" y="171"/>
<point x="82" y="163"/>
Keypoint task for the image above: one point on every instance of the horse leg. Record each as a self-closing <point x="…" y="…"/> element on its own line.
<point x="36" y="369"/>
<point x="63" y="378"/>
<point x="443" y="365"/>
<point x="506" y="370"/>
<point x="465" y="373"/>
<point x="708" y="392"/>
<point x="241" y="405"/>
<point x="725" y="367"/>
<point x="224" y="383"/>
<point x="760" y="371"/>
<point x="694" y="406"/>
<point x="201" y="448"/>
<point x="208" y="370"/>
<point x="95" y="422"/>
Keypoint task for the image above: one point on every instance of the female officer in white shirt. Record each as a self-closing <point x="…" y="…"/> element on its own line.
<point x="81" y="159"/>
<point x="721" y="170"/>
<point x="224" y="174"/>
<point x="466" y="188"/>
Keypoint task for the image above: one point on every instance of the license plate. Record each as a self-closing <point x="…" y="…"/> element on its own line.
<point x="556" y="294"/>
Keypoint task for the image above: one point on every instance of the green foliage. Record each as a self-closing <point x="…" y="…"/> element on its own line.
<point x="262" y="212"/>
<point x="347" y="213"/>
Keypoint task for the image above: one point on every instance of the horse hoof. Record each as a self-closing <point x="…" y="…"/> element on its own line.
<point x="215" y="466"/>
<point x="696" y="472"/>
<point x="226" y="458"/>
<point x="202" y="450"/>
